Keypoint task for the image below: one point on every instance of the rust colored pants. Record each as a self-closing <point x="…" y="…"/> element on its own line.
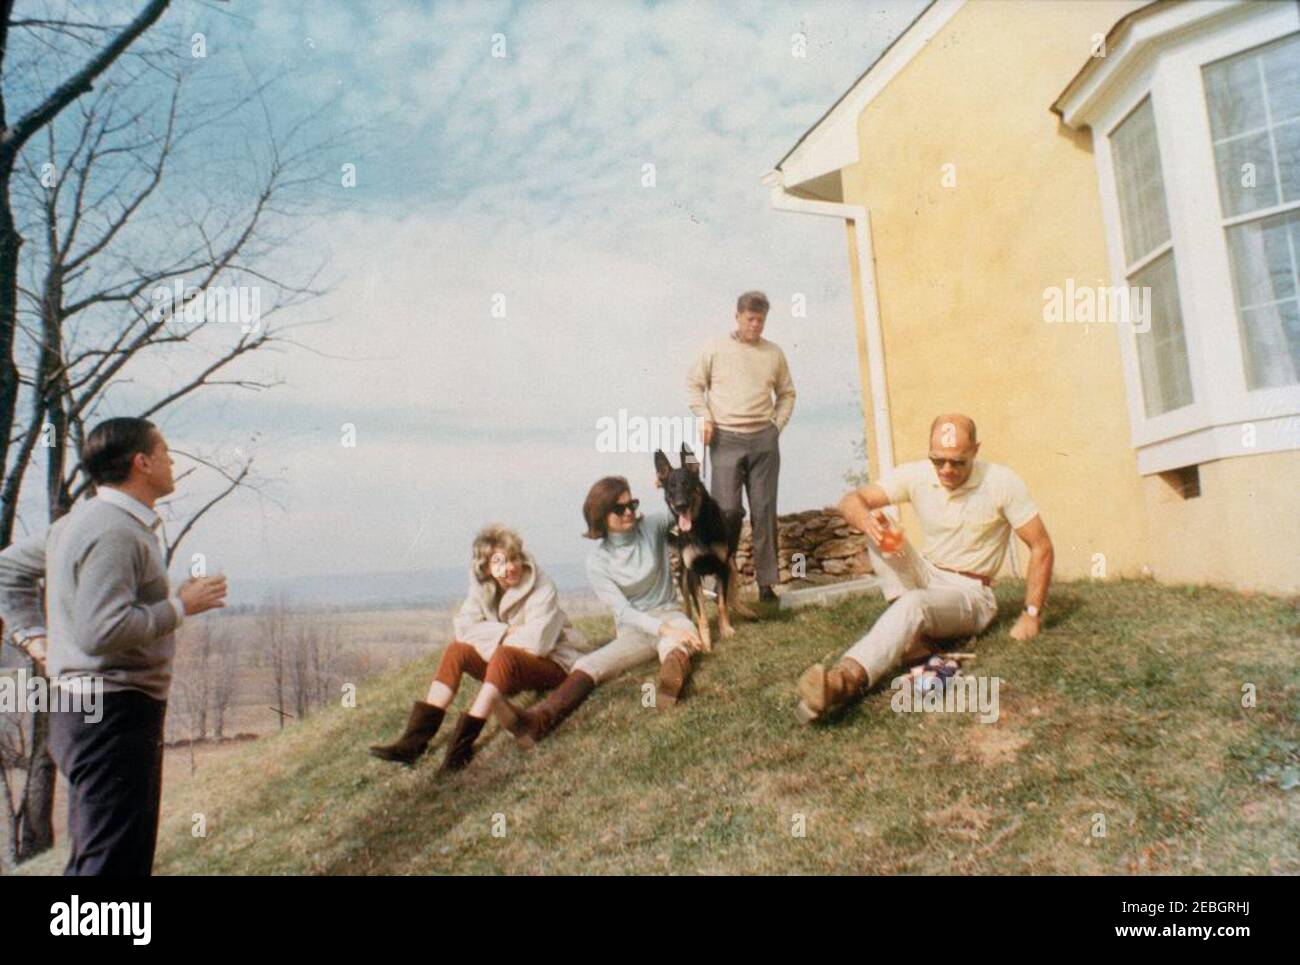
<point x="510" y="670"/>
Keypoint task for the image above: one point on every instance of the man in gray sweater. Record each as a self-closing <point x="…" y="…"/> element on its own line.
<point x="112" y="625"/>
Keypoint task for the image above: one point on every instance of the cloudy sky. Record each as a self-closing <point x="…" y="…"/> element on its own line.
<point x="521" y="180"/>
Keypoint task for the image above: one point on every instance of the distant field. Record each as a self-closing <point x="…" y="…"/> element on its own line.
<point x="1127" y="711"/>
<point x="374" y="641"/>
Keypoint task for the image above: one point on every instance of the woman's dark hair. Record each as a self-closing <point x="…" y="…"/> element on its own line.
<point x="107" y="452"/>
<point x="600" y="503"/>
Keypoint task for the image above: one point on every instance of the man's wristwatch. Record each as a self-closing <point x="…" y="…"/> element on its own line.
<point x="22" y="639"/>
<point x="1033" y="611"/>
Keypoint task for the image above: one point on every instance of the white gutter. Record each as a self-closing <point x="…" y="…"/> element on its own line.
<point x="860" y="218"/>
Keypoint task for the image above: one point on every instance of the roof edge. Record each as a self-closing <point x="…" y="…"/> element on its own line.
<point x="848" y="107"/>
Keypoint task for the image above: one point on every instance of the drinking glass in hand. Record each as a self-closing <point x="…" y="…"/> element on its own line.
<point x="891" y="540"/>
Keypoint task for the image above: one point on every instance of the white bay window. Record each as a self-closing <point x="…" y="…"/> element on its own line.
<point x="1254" y="104"/>
<point x="1195" y="117"/>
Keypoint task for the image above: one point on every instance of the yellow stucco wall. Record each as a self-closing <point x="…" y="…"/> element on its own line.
<point x="1244" y="530"/>
<point x="961" y="272"/>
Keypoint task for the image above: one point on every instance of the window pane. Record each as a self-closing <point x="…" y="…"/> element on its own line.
<point x="1260" y="253"/>
<point x="1235" y="93"/>
<point x="1244" y="189"/>
<point x="1141" y="187"/>
<point x="1282" y="76"/>
<point x="1287" y="139"/>
<point x="1272" y="342"/>
<point x="1264" y="255"/>
<point x="1254" y="103"/>
<point x="1162" y="350"/>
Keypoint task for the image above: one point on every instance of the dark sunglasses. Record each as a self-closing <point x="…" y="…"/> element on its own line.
<point x="622" y="509"/>
<point x="955" y="463"/>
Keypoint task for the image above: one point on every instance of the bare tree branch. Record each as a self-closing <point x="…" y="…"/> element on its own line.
<point x="195" y="517"/>
<point x="13" y="138"/>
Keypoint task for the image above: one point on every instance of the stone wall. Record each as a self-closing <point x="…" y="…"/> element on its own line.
<point x="831" y="549"/>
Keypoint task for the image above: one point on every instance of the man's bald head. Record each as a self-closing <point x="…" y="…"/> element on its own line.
<point x="952" y="448"/>
<point x="952" y="431"/>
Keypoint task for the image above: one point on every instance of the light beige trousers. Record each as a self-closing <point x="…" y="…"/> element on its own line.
<point x="927" y="602"/>
<point x="632" y="646"/>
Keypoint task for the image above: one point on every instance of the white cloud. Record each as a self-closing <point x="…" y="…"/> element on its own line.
<point x="535" y="193"/>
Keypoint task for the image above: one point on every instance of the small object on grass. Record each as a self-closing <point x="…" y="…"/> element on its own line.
<point x="927" y="682"/>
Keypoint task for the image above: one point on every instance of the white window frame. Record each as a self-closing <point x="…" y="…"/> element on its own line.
<point x="1162" y="57"/>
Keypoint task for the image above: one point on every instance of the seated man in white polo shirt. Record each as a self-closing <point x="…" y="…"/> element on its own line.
<point x="967" y="511"/>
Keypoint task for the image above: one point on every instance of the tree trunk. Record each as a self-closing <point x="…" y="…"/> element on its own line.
<point x="36" y="817"/>
<point x="10" y="242"/>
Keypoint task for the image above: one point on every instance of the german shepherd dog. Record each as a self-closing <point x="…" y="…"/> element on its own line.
<point x="706" y="540"/>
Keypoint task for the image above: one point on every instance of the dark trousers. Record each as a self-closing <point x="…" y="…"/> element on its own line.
<point x="751" y="460"/>
<point x="114" y="771"/>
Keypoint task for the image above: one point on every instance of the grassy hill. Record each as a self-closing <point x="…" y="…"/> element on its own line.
<point x="1128" y="706"/>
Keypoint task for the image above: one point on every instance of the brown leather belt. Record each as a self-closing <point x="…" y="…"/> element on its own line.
<point x="986" y="580"/>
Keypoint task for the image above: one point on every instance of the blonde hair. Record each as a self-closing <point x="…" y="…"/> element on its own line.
<point x="491" y="538"/>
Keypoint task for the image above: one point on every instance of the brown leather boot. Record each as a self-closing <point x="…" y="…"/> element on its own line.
<point x="674" y="671"/>
<point x="460" y="750"/>
<point x="534" y="723"/>
<point x="821" y="693"/>
<point x="423" y="723"/>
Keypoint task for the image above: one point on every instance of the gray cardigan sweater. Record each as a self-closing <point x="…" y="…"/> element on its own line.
<point x="107" y="595"/>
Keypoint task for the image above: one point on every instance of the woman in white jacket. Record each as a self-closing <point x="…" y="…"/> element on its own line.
<point x="510" y="633"/>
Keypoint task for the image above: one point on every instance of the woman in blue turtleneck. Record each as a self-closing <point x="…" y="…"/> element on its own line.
<point x="629" y="570"/>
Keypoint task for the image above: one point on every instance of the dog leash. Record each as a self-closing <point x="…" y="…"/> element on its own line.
<point x="704" y="481"/>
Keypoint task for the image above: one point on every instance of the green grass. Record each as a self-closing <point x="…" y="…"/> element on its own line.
<point x="1129" y="706"/>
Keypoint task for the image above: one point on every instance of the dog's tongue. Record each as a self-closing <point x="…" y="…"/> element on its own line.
<point x="683" y="523"/>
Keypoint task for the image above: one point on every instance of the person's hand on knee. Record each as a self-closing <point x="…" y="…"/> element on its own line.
<point x="687" y="637"/>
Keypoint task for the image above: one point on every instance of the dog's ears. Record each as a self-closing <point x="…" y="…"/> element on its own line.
<point x="662" y="466"/>
<point x="689" y="461"/>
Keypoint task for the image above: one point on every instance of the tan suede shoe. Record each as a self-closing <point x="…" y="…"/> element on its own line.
<point x="822" y="692"/>
<point x="673" y="674"/>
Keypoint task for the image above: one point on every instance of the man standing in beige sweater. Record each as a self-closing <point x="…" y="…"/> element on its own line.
<point x="741" y="391"/>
